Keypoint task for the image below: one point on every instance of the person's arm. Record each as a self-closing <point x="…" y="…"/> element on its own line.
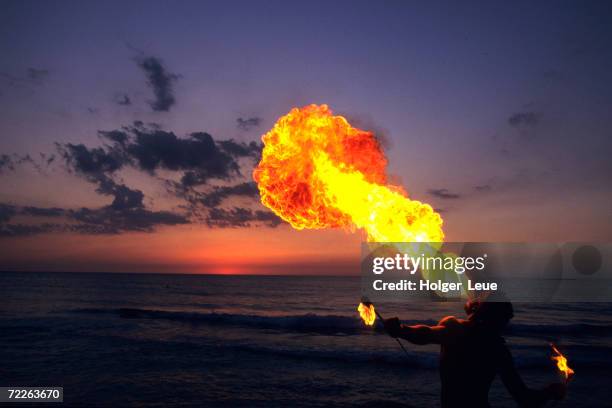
<point x="523" y="395"/>
<point x="420" y="333"/>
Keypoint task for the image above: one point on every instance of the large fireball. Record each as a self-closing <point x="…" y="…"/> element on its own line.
<point x="317" y="171"/>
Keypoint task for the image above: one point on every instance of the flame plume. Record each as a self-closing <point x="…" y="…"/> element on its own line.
<point x="562" y="363"/>
<point x="317" y="171"/>
<point x="367" y="313"/>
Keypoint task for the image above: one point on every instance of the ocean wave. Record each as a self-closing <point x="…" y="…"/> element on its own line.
<point x="322" y="324"/>
<point x="330" y="324"/>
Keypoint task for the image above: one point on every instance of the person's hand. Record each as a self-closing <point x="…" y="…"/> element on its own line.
<point x="557" y="391"/>
<point x="393" y="327"/>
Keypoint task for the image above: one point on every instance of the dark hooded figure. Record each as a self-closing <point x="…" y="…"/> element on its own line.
<point x="472" y="353"/>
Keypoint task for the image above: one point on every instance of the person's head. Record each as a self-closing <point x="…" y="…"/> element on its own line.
<point x="489" y="314"/>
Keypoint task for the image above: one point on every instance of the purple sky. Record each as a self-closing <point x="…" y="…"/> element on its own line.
<point x="498" y="114"/>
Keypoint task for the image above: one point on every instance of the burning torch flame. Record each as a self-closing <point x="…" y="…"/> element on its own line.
<point x="317" y="171"/>
<point x="367" y="313"/>
<point x="562" y="363"/>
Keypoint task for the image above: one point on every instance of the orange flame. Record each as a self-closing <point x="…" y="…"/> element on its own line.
<point x="561" y="363"/>
<point x="317" y="171"/>
<point x="367" y="313"/>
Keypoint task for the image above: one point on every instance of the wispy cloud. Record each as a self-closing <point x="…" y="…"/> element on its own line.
<point x="443" y="194"/>
<point x="161" y="82"/>
<point x="248" y="123"/>
<point x="524" y="119"/>
<point x="122" y="100"/>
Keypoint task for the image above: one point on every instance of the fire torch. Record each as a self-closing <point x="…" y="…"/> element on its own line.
<point x="368" y="314"/>
<point x="562" y="366"/>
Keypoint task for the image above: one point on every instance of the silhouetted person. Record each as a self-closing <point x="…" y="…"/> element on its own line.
<point x="472" y="353"/>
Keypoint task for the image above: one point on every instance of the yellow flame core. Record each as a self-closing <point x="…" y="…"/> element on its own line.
<point x="367" y="313"/>
<point x="386" y="215"/>
<point x="317" y="171"/>
<point x="561" y="363"/>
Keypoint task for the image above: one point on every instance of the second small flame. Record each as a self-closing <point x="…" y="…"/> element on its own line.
<point x="562" y="363"/>
<point x="367" y="313"/>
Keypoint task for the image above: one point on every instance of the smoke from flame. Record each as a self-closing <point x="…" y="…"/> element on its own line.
<point x="367" y="313"/>
<point x="562" y="363"/>
<point x="317" y="171"/>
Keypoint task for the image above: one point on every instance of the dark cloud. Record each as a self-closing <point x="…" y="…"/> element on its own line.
<point x="6" y="163"/>
<point x="92" y="163"/>
<point x="161" y="82"/>
<point x="241" y="149"/>
<point x="199" y="156"/>
<point x="115" y="136"/>
<point x="120" y="216"/>
<point x="160" y="149"/>
<point x="26" y="159"/>
<point x="111" y="220"/>
<point x="8" y="229"/>
<point x="99" y="221"/>
<point x="11" y="162"/>
<point x="483" y="188"/>
<point x="218" y="194"/>
<point x="42" y="211"/>
<point x="148" y="148"/>
<point x="123" y="100"/>
<point x="443" y="193"/>
<point x="7" y="211"/>
<point x="524" y="119"/>
<point x="48" y="159"/>
<point x="240" y="217"/>
<point x="248" y="123"/>
<point x="123" y="197"/>
<point x="19" y="230"/>
<point x="37" y="74"/>
<point x="126" y="212"/>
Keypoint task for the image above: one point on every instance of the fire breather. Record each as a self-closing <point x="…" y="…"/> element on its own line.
<point x="317" y="171"/>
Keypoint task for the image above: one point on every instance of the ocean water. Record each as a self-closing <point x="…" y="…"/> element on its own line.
<point x="250" y="341"/>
